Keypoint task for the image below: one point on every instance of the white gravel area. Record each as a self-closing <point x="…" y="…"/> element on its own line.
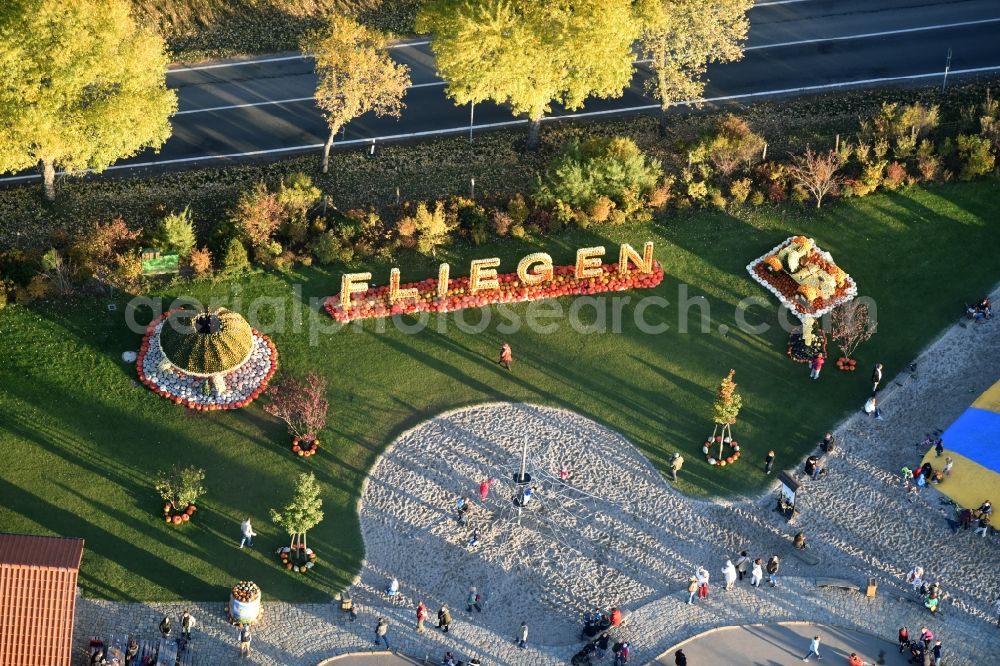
<point x="614" y="535"/>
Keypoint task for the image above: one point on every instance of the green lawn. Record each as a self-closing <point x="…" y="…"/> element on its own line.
<point x="81" y="441"/>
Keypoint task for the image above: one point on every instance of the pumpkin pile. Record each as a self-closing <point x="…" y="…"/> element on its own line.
<point x="176" y="516"/>
<point x="246" y="591"/>
<point x="304" y="447"/>
<point x="299" y="559"/>
<point x="847" y="364"/>
<point x="712" y="443"/>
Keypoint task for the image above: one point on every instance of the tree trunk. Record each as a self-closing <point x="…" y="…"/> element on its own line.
<point x="49" y="179"/>
<point x="534" y="131"/>
<point x="326" y="149"/>
<point x="662" y="128"/>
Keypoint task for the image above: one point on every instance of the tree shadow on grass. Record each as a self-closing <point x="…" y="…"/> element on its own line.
<point x="234" y="482"/>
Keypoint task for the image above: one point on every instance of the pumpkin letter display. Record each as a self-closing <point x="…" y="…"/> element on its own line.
<point x="535" y="278"/>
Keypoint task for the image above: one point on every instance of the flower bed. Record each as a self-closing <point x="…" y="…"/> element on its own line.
<point x="175" y="516"/>
<point x="768" y="271"/>
<point x="302" y="559"/>
<point x="799" y="352"/>
<point x="304" y="447"/>
<point x="243" y="384"/>
<point x="712" y="442"/>
<point x="375" y="302"/>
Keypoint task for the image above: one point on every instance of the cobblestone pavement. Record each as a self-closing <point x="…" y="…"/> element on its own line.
<point x="858" y="521"/>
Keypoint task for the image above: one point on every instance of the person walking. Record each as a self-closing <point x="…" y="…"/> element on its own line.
<point x="702" y="575"/>
<point x="444" y="618"/>
<point x="729" y="573"/>
<point x="382" y="632"/>
<point x="984" y="524"/>
<point x="623" y="653"/>
<point x="876" y="377"/>
<point x="131" y="652"/>
<point x="828" y="444"/>
<point x="815" y="366"/>
<point x="693" y="590"/>
<point x="246" y="530"/>
<point x="939" y="447"/>
<point x="522" y="636"/>
<point x="393" y="588"/>
<point x="768" y="462"/>
<point x="965" y="518"/>
<point x="915" y="577"/>
<point x="871" y="408"/>
<point x="484" y="488"/>
<point x="165" y="626"/>
<point x="937" y="652"/>
<point x="772" y="570"/>
<point x="245" y="638"/>
<point x="472" y="601"/>
<point x="742" y="564"/>
<point x="187" y="624"/>
<point x="904" y="639"/>
<point x="676" y="462"/>
<point x="757" y="573"/>
<point x="813" y="649"/>
<point x="421" y="616"/>
<point x="506" y="356"/>
<point x="680" y="659"/>
<point x="948" y="464"/>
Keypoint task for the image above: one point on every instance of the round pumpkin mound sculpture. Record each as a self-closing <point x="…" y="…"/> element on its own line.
<point x="206" y="360"/>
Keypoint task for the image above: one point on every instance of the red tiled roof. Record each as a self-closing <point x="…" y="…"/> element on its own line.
<point x="28" y="550"/>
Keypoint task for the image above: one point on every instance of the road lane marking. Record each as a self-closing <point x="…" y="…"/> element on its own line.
<point x="239" y="63"/>
<point x="643" y="61"/>
<point x="866" y="35"/>
<point x="510" y="123"/>
<point x="243" y="106"/>
<point x="257" y="61"/>
<point x="768" y="3"/>
<point x="291" y="100"/>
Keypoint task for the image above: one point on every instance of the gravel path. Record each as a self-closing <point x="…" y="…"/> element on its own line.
<point x="617" y="534"/>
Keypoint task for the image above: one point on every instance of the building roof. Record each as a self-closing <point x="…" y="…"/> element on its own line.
<point x="29" y="550"/>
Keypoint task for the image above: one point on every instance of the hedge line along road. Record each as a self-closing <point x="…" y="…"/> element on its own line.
<point x="262" y="106"/>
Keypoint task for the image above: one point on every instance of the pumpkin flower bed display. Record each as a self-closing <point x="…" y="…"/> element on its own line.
<point x="804" y="278"/>
<point x="710" y="443"/>
<point x="304" y="447"/>
<point x="206" y="360"/>
<point x="299" y="559"/>
<point x="175" y="515"/>
<point x="424" y="296"/>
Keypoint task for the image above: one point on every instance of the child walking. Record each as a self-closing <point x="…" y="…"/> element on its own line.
<point x="506" y="355"/>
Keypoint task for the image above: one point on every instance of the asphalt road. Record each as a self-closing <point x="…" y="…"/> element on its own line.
<point x="263" y="107"/>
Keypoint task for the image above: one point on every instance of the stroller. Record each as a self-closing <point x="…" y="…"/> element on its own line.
<point x="585" y="655"/>
<point x="917" y="652"/>
<point x="981" y="311"/>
